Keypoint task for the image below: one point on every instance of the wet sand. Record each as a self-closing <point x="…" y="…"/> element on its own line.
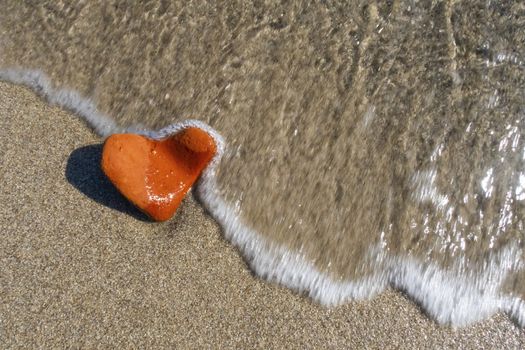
<point x="350" y="128"/>
<point x="79" y="267"/>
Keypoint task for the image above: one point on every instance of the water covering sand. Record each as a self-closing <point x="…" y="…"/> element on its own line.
<point x="366" y="144"/>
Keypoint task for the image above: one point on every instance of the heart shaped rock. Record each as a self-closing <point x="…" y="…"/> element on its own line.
<point x="155" y="175"/>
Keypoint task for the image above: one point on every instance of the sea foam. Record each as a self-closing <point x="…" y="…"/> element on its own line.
<point x="449" y="296"/>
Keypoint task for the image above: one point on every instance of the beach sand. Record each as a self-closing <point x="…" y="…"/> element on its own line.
<point x="79" y="267"/>
<point x="352" y="128"/>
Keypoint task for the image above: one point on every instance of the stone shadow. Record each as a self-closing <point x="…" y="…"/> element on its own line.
<point x="84" y="173"/>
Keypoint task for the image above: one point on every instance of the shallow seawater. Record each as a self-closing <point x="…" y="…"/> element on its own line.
<point x="360" y="136"/>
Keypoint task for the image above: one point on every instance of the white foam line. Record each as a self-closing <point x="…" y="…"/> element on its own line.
<point x="452" y="296"/>
<point x="65" y="98"/>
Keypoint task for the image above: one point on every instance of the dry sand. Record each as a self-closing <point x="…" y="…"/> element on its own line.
<point x="80" y="268"/>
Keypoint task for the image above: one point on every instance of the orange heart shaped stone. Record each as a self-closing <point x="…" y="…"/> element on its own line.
<point x="155" y="175"/>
